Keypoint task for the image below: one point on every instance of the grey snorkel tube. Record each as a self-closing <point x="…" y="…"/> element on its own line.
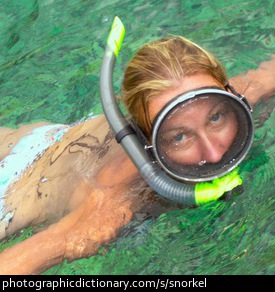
<point x="151" y="172"/>
<point x="157" y="179"/>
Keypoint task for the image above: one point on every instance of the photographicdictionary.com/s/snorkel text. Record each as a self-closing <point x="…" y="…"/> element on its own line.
<point x="86" y="282"/>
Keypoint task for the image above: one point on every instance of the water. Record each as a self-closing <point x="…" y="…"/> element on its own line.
<point x="50" y="57"/>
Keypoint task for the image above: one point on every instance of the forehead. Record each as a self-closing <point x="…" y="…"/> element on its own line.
<point x="189" y="112"/>
<point x="186" y="84"/>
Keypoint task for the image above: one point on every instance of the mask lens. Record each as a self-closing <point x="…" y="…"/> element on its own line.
<point x="202" y="137"/>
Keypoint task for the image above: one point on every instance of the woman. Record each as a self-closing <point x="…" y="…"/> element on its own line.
<point x="85" y="188"/>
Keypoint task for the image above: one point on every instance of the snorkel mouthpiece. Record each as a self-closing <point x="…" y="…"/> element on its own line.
<point x="150" y="171"/>
<point x="211" y="191"/>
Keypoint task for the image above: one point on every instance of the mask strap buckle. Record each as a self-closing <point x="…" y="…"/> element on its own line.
<point x="142" y="138"/>
<point x="241" y="96"/>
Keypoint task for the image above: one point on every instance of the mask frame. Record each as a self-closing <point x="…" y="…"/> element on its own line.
<point x="207" y="172"/>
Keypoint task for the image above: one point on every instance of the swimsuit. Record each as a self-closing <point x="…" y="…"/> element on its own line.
<point x="24" y="154"/>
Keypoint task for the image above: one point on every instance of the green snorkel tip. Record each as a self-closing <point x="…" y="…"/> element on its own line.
<point x="116" y="36"/>
<point x="211" y="191"/>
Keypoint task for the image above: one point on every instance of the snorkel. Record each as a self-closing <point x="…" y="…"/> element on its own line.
<point x="151" y="172"/>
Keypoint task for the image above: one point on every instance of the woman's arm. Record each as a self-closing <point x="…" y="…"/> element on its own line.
<point x="256" y="84"/>
<point x="77" y="235"/>
<point x="94" y="223"/>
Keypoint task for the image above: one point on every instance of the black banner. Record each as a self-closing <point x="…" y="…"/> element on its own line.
<point x="124" y="283"/>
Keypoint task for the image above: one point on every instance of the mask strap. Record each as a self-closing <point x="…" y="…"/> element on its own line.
<point x="229" y="87"/>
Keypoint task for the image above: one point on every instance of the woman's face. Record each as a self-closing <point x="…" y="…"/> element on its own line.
<point x="202" y="131"/>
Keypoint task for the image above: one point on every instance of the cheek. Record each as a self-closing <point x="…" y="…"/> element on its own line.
<point x="190" y="156"/>
<point x="229" y="133"/>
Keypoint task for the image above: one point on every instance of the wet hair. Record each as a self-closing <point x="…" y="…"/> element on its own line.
<point x="160" y="65"/>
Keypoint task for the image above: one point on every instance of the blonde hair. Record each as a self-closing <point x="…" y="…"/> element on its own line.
<point x="160" y="65"/>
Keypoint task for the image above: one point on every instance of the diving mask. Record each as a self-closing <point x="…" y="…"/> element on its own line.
<point x="191" y="123"/>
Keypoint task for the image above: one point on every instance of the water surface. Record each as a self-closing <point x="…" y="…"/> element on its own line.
<point x="50" y="57"/>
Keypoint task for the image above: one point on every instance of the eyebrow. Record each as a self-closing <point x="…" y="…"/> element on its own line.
<point x="217" y="104"/>
<point x="179" y="129"/>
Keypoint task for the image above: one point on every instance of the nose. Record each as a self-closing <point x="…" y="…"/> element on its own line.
<point x="212" y="149"/>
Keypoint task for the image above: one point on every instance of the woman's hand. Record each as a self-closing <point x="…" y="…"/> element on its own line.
<point x="256" y="84"/>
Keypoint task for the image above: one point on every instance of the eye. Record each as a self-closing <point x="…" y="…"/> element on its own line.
<point x="216" y="117"/>
<point x="176" y="139"/>
<point x="179" y="138"/>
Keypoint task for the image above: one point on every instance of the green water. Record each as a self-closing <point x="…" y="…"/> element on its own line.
<point x="50" y="57"/>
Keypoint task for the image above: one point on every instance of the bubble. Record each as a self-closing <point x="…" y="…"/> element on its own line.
<point x="44" y="179"/>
